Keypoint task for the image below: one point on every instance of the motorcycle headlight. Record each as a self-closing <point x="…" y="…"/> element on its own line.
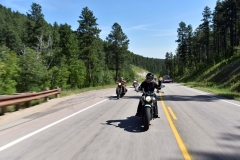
<point x="148" y="98"/>
<point x="119" y="84"/>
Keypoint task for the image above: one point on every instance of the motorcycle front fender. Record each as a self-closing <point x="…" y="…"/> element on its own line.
<point x="148" y="105"/>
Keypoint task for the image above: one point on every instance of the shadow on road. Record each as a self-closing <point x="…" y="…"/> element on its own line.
<point x="131" y="124"/>
<point x="229" y="144"/>
<point x="131" y="97"/>
<point x="124" y="97"/>
<point x="214" y="156"/>
<point x="201" y="98"/>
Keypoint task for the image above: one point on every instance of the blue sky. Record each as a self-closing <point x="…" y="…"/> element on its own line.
<point x="151" y="26"/>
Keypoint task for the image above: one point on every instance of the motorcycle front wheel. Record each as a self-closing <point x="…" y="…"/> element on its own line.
<point x="146" y="118"/>
<point x="118" y="93"/>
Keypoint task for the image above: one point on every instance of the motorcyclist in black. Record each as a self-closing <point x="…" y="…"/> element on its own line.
<point x="148" y="85"/>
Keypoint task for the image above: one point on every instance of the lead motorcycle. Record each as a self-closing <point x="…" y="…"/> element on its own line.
<point x="120" y="90"/>
<point x="148" y="103"/>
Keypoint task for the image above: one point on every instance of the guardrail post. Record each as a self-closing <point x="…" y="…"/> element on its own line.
<point x="4" y="109"/>
<point x="59" y="90"/>
<point x="27" y="104"/>
<point x="46" y="98"/>
<point x="17" y="106"/>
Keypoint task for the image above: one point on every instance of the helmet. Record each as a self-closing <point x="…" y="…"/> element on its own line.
<point x="121" y="78"/>
<point x="149" y="77"/>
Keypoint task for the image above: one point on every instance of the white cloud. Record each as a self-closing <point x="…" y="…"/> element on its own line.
<point x="139" y="27"/>
<point x="166" y="34"/>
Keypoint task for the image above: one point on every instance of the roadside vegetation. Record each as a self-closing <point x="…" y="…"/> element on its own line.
<point x="208" y="57"/>
<point x="221" y="79"/>
<point x="140" y="73"/>
<point x="35" y="54"/>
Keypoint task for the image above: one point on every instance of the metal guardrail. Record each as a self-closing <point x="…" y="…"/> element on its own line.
<point x="26" y="97"/>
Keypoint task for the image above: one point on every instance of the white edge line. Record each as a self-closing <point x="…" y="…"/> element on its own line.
<point x="212" y="96"/>
<point x="46" y="127"/>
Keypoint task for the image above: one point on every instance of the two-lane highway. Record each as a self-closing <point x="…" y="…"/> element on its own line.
<point x="95" y="125"/>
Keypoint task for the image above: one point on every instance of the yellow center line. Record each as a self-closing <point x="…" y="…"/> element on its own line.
<point x="175" y="132"/>
<point x="172" y="113"/>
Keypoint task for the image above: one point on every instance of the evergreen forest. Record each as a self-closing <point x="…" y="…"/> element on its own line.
<point x="35" y="54"/>
<point x="216" y="39"/>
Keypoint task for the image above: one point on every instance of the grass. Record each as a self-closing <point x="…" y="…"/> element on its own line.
<point x="138" y="69"/>
<point x="222" y="79"/>
<point x="138" y="72"/>
<point x="76" y="91"/>
<point x="210" y="88"/>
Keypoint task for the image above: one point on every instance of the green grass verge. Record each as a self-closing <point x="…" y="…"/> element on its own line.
<point x="76" y="91"/>
<point x="210" y="88"/>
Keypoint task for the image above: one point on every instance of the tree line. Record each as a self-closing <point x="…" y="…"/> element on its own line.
<point x="215" y="39"/>
<point x="35" y="54"/>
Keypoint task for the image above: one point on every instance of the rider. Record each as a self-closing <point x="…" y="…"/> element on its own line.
<point x="124" y="83"/>
<point x="160" y="81"/>
<point x="148" y="85"/>
<point x="135" y="79"/>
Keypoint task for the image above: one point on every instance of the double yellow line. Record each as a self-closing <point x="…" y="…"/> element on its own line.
<point x="174" y="130"/>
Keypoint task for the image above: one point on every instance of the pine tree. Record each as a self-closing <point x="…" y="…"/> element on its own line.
<point x="118" y="45"/>
<point x="88" y="36"/>
<point x="206" y="29"/>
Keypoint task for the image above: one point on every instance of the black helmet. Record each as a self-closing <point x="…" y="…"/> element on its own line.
<point x="149" y="77"/>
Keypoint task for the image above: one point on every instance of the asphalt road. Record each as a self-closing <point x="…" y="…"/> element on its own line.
<point x="96" y="126"/>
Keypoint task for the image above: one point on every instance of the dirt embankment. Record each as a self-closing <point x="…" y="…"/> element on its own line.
<point x="142" y="74"/>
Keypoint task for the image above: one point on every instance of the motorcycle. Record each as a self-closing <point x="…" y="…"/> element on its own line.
<point x="148" y="104"/>
<point x="135" y="85"/>
<point x="120" y="90"/>
<point x="148" y="101"/>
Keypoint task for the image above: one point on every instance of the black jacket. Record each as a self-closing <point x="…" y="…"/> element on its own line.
<point x="148" y="86"/>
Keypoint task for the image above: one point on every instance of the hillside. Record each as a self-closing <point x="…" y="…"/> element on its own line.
<point x="224" y="76"/>
<point x="140" y="72"/>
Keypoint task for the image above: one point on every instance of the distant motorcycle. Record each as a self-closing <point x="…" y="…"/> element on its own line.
<point x="120" y="90"/>
<point x="135" y="85"/>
